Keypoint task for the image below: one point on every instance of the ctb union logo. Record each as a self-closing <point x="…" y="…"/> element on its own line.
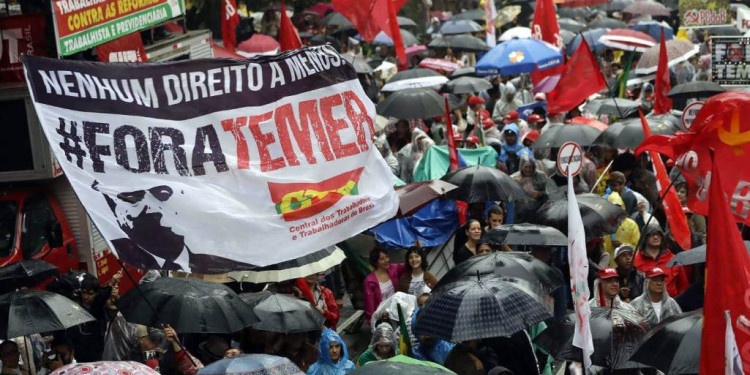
<point x="297" y="201"/>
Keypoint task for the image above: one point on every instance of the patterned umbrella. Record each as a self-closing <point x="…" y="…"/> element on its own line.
<point x="252" y="364"/>
<point x="647" y="7"/>
<point x="105" y="368"/>
<point x="627" y="40"/>
<point x="460" y="27"/>
<point x="309" y="264"/>
<point x="481" y="308"/>
<point x="678" y="50"/>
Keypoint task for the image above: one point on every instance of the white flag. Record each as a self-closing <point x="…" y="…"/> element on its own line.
<point x="490" y="15"/>
<point x="732" y="360"/>
<point x="579" y="271"/>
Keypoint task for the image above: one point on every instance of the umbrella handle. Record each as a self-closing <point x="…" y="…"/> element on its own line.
<point x="153" y="309"/>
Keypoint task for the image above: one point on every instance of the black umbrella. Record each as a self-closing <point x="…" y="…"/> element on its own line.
<point x="460" y="27"/>
<point x="629" y="133"/>
<point x="673" y="346"/>
<point x="616" y="334"/>
<point x="309" y="264"/>
<point x="557" y="135"/>
<point x="694" y="255"/>
<point x="189" y="305"/>
<point x="462" y="72"/>
<point x="513" y="264"/>
<point x="609" y="106"/>
<point x="466" y="85"/>
<point x="526" y="234"/>
<point x="571" y="25"/>
<point x="335" y="19"/>
<point x="465" y="43"/>
<point x="567" y="36"/>
<point x="321" y="39"/>
<point x="697" y="89"/>
<point x="413" y="73"/>
<point x="472" y="14"/>
<point x="574" y="13"/>
<point x="617" y="5"/>
<point x="724" y="31"/>
<point x="28" y="311"/>
<point x="483" y="184"/>
<point x="607" y="23"/>
<point x="283" y="313"/>
<point x="600" y="217"/>
<point x="482" y="308"/>
<point x="412" y="103"/>
<point x="28" y="272"/>
<point x="360" y="65"/>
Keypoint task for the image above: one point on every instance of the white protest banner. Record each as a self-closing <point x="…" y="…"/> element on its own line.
<point x="210" y="166"/>
<point x="579" y="270"/>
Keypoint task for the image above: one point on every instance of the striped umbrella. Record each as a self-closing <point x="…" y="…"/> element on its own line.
<point x="627" y="40"/>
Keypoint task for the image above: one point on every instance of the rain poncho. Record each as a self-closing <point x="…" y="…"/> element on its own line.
<point x="537" y="181"/>
<point x="599" y="300"/>
<point x="437" y="352"/>
<point x="503" y="106"/>
<point x="325" y="365"/>
<point x="511" y="151"/>
<point x="410" y="155"/>
<point x="645" y="307"/>
<point x="383" y="334"/>
<point x="627" y="233"/>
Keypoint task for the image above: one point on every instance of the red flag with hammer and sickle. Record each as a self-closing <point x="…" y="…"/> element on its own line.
<point x="723" y="124"/>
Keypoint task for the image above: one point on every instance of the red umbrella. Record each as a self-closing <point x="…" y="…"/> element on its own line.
<point x="590" y="122"/>
<point x="439" y="65"/>
<point x="647" y="7"/>
<point x="223" y="53"/>
<point x="579" y="3"/>
<point x="628" y="40"/>
<point x="259" y="43"/>
<point x="416" y="195"/>
<point x="321" y="8"/>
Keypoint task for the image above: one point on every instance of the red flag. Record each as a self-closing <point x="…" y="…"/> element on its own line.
<point x="452" y="151"/>
<point x="676" y="219"/>
<point x="662" y="103"/>
<point x="581" y="77"/>
<point x="229" y="21"/>
<point x="727" y="283"/>
<point x="723" y="124"/>
<point x="544" y="27"/>
<point x="372" y="16"/>
<point x="288" y="37"/>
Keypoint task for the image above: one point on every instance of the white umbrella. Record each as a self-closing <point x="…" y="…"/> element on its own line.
<point x="519" y="32"/>
<point x="407" y="302"/>
<point x="411" y="83"/>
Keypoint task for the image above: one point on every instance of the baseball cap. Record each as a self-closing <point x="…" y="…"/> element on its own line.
<point x="475" y="100"/>
<point x="533" y="119"/>
<point x="624" y="249"/>
<point x="472" y="139"/>
<point x="655" y="272"/>
<point x="531" y="135"/>
<point x="607" y="273"/>
<point x="511" y="116"/>
<point x="487" y="124"/>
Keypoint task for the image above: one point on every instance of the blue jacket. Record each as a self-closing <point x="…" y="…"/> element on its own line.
<point x="508" y="148"/>
<point x="435" y="353"/>
<point x="325" y="365"/>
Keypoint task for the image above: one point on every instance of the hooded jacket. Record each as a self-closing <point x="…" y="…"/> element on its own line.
<point x="537" y="181"/>
<point x="325" y="365"/>
<point x="438" y="352"/>
<point x="677" y="280"/>
<point x="627" y="233"/>
<point x="598" y="299"/>
<point x="643" y="304"/>
<point x="383" y="334"/>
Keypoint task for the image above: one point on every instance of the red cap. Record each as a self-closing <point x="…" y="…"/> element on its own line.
<point x="533" y="119"/>
<point x="487" y="124"/>
<point x="475" y="100"/>
<point x="531" y="135"/>
<point x="654" y="272"/>
<point x="472" y="139"/>
<point x="607" y="273"/>
<point x="511" y="116"/>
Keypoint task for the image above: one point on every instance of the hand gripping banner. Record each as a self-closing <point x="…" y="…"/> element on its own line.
<point x="210" y="166"/>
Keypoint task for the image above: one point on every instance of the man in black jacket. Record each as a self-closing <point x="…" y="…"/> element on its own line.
<point x="631" y="280"/>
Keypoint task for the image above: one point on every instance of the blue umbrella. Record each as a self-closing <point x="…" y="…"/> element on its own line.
<point x="518" y="56"/>
<point x="653" y="28"/>
<point x="592" y="38"/>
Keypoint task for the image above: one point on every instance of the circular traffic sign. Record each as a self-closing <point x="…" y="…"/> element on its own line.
<point x="690" y="113"/>
<point x="570" y="159"/>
